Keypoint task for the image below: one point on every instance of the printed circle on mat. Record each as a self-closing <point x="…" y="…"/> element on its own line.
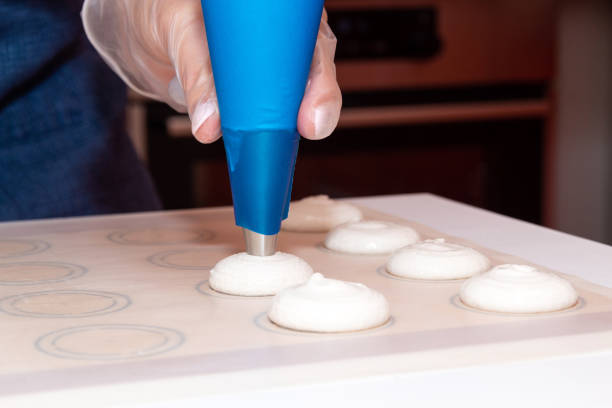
<point x="382" y="271"/>
<point x="321" y="247"/>
<point x="263" y="322"/>
<point x="34" y="273"/>
<point x="205" y="289"/>
<point x="10" y="248"/>
<point x="456" y="301"/>
<point x="64" y="303"/>
<point x="109" y="341"/>
<point x="159" y="236"/>
<point x="191" y="259"/>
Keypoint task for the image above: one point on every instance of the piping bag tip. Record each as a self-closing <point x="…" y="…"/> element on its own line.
<point x="259" y="244"/>
<point x="261" y="165"/>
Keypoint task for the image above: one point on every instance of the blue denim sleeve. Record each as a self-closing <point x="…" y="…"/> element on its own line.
<point x="63" y="146"/>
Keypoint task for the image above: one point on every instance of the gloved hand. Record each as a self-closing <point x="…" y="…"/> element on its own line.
<point x="158" y="47"/>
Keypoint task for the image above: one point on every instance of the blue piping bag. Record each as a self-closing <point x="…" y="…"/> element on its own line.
<point x="261" y="51"/>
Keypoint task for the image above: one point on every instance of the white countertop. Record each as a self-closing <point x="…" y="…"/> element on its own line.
<point x="571" y="381"/>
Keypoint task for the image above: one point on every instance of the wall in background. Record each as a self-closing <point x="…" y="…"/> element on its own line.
<point x="583" y="149"/>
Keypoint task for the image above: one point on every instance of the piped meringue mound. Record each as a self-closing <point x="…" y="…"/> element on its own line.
<point x="518" y="289"/>
<point x="329" y="305"/>
<point x="248" y="275"/>
<point x="319" y="214"/>
<point x="436" y="259"/>
<point x="370" y="237"/>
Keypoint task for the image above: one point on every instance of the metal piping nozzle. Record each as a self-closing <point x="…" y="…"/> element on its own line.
<point x="259" y="244"/>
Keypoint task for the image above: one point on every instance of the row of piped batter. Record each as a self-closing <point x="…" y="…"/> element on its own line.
<point x="307" y="301"/>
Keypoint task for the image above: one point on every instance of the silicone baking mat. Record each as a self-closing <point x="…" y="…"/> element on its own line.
<point x="121" y="299"/>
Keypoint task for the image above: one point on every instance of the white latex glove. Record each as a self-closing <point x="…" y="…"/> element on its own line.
<point x="159" y="48"/>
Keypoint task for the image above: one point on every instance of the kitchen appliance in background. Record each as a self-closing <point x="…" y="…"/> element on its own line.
<point x="452" y="97"/>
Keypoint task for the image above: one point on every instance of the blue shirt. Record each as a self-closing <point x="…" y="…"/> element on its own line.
<point x="63" y="146"/>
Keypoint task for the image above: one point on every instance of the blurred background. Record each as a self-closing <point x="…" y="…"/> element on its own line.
<point x="501" y="104"/>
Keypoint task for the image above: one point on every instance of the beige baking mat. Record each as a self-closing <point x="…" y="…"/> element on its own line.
<point x="126" y="298"/>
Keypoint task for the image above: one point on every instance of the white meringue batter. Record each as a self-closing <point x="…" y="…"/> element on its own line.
<point x="319" y="214"/>
<point x="518" y="289"/>
<point x="248" y="275"/>
<point x="436" y="259"/>
<point x="370" y="237"/>
<point x="329" y="305"/>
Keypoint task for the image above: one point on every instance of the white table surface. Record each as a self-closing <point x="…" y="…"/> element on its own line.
<point x="571" y="381"/>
